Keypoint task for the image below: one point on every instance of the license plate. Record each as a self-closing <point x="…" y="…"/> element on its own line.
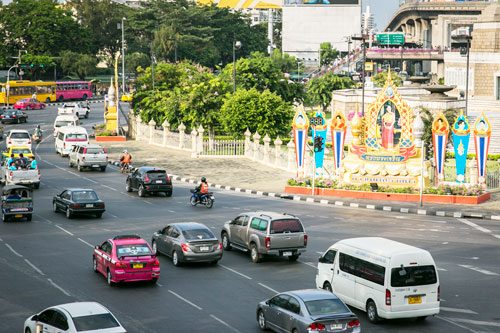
<point x="159" y="181"/>
<point x="335" y="327"/>
<point x="287" y="253"/>
<point x="95" y="165"/>
<point x="18" y="215"/>
<point x="204" y="248"/>
<point x="137" y="265"/>
<point x="414" y="299"/>
<point x="89" y="205"/>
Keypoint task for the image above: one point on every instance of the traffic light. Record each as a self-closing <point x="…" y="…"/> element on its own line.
<point x="318" y="144"/>
<point x="32" y="65"/>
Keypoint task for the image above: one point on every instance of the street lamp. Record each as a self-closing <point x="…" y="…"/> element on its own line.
<point x="236" y="46"/>
<point x="362" y="38"/>
<point x="175" y="47"/>
<point x="153" y="60"/>
<point x="467" y="39"/>
<point x="8" y="84"/>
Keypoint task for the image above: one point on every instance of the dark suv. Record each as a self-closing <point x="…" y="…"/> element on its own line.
<point x="149" y="180"/>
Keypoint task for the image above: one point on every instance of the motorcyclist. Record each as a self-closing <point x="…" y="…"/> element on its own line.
<point x="37" y="133"/>
<point x="201" y="189"/>
<point x="125" y="159"/>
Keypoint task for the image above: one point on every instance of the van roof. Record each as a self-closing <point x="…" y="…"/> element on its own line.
<point x="381" y="246"/>
<point x="66" y="117"/>
<point x="72" y="129"/>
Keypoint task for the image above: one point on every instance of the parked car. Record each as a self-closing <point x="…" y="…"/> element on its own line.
<point x="187" y="242"/>
<point x="149" y="180"/>
<point x="18" y="138"/>
<point x="29" y="104"/>
<point x="78" y="201"/>
<point x="127" y="97"/>
<point x="14" y="116"/>
<point x="305" y="311"/>
<point x="126" y="258"/>
<point x="88" y="156"/>
<point x="265" y="233"/>
<point x="73" y="318"/>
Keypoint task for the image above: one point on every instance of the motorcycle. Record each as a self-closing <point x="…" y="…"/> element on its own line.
<point x="207" y="199"/>
<point x="37" y="138"/>
<point x="127" y="168"/>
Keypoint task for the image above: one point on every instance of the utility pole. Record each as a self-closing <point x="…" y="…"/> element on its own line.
<point x="153" y="65"/>
<point x="363" y="40"/>
<point x="123" y="57"/>
<point x="236" y="45"/>
<point x="468" y="38"/>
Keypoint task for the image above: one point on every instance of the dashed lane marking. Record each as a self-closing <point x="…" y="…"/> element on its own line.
<point x="480" y="270"/>
<point x="75" y="174"/>
<point x="113" y="215"/>
<point x="476" y="322"/>
<point x="159" y="284"/>
<point x="224" y="323"/>
<point x="268" y="288"/>
<point x="148" y="202"/>
<point x="456" y="324"/>
<point x="34" y="267"/>
<point x="475" y="226"/>
<point x="308" y="264"/>
<point x="443" y="308"/>
<point x="66" y="231"/>
<point x="111" y="188"/>
<point x="171" y="211"/>
<point x="85" y="242"/>
<point x="13" y="251"/>
<point x="235" y="272"/>
<point x="185" y="300"/>
<point x="90" y="180"/>
<point x="58" y="287"/>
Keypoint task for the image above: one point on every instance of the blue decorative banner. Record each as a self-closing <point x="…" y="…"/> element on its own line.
<point x="320" y="130"/>
<point x="461" y="136"/>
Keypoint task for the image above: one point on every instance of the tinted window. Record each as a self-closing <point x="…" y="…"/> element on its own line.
<point x="95" y="322"/>
<point x="194" y="234"/>
<point x="19" y="136"/>
<point x="413" y="276"/>
<point x="61" y="123"/>
<point x="362" y="268"/>
<point x="46" y="316"/>
<point x="76" y="136"/>
<point x="60" y="136"/>
<point x="293" y="305"/>
<point x="95" y="151"/>
<point x="60" y="321"/>
<point x="255" y="223"/>
<point x="329" y="257"/>
<point x="84" y="196"/>
<point x="17" y="151"/>
<point x="133" y="250"/>
<point x="258" y="224"/>
<point x="280" y="300"/>
<point x="326" y="306"/>
<point x="288" y="225"/>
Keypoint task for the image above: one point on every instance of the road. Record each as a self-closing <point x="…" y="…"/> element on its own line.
<point x="48" y="261"/>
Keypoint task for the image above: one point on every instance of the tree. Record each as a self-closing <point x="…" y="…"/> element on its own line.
<point x="428" y="119"/>
<point x="264" y="112"/>
<point x="37" y="64"/>
<point x="41" y="27"/>
<point x="319" y="90"/>
<point x="380" y="78"/>
<point x="285" y="62"/>
<point x="136" y="60"/>
<point x="78" y="64"/>
<point x="327" y="54"/>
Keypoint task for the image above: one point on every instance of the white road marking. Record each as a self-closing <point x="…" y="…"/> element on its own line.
<point x="34" y="267"/>
<point x="58" y="287"/>
<point x="476" y="322"/>
<point x="457" y="310"/>
<point x="475" y="226"/>
<point x="224" y="323"/>
<point x="75" y="174"/>
<point x="235" y="272"/>
<point x="480" y="270"/>
<point x="49" y="163"/>
<point x="268" y="288"/>
<point x="444" y="243"/>
<point x="148" y="202"/>
<point x="13" y="251"/>
<point x="319" y="252"/>
<point x="185" y="300"/>
<point x="113" y="215"/>
<point x="66" y="231"/>
<point x="456" y="324"/>
<point x="442" y="269"/>
<point x="159" y="284"/>
<point x="338" y="218"/>
<point x="308" y="264"/>
<point x="85" y="242"/>
<point x="106" y="186"/>
<point x="90" y="180"/>
<point x="171" y="211"/>
<point x="497" y="236"/>
<point x="1" y="240"/>
<point x="323" y="217"/>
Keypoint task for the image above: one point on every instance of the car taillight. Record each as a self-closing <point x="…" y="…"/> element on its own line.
<point x="186" y="248"/>
<point x="120" y="264"/>
<point x="84" y="150"/>
<point x="156" y="263"/>
<point x="219" y="247"/>
<point x="10" y="174"/>
<point x="100" y="205"/>
<point x="305" y="240"/>
<point x="29" y="142"/>
<point x="83" y="158"/>
<point x="106" y="157"/>
<point x="315" y="327"/>
<point x="387" y="297"/>
<point x="64" y="145"/>
<point x="146" y="179"/>
<point x="353" y="323"/>
<point x="439" y="293"/>
<point x="268" y="242"/>
<point x="10" y="142"/>
<point x="168" y="178"/>
<point x="77" y="206"/>
<point x="14" y="116"/>
<point x="39" y="172"/>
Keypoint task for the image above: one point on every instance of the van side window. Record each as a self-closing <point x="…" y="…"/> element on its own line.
<point x="329" y="257"/>
<point x="60" y="136"/>
<point x="362" y="268"/>
<point x="255" y="223"/>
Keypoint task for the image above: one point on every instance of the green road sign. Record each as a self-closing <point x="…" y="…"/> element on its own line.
<point x="391" y="38"/>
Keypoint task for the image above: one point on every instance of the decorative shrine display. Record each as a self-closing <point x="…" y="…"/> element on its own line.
<point x="482" y="135"/>
<point x="319" y="129"/>
<point x="300" y="131"/>
<point x="338" y="129"/>
<point x="440" y="130"/>
<point x="461" y="136"/>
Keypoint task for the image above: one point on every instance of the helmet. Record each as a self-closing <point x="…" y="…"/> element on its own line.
<point x="125" y="151"/>
<point x="38" y="126"/>
<point x="203" y="179"/>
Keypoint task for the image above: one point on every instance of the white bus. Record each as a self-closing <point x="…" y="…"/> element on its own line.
<point x="385" y="278"/>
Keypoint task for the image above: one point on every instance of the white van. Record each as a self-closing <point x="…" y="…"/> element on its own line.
<point x="65" y="120"/>
<point x="68" y="136"/>
<point x="385" y="278"/>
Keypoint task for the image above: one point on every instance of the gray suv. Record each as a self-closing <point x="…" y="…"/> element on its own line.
<point x="265" y="233"/>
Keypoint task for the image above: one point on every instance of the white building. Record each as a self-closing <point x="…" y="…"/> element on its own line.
<point x="368" y="21"/>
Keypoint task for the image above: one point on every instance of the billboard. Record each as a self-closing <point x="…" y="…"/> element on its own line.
<point x="246" y="4"/>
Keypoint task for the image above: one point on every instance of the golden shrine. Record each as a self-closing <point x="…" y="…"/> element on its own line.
<point x="384" y="149"/>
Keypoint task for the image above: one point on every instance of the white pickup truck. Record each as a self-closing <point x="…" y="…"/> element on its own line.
<point x="19" y="177"/>
<point x="78" y="109"/>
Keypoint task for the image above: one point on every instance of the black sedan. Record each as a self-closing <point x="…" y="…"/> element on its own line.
<point x="149" y="180"/>
<point x="14" y="116"/>
<point x="187" y="242"/>
<point x="78" y="201"/>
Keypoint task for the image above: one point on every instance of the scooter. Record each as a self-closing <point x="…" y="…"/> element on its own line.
<point x="37" y="138"/>
<point x="207" y="199"/>
<point x="127" y="168"/>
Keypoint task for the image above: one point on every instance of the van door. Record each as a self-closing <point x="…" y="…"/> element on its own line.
<point x="326" y="269"/>
<point x="344" y="278"/>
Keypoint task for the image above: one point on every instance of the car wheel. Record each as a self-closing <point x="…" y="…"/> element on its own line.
<point x="262" y="320"/>
<point x="61" y="99"/>
<point x="18" y="120"/>
<point x="70" y="164"/>
<point x="4" y="218"/>
<point x="98" y="215"/>
<point x="154" y="280"/>
<point x="94" y="264"/>
<point x="168" y="194"/>
<point x="128" y="187"/>
<point x="84" y="97"/>
<point x="25" y="120"/>
<point x="27" y="330"/>
<point x="294" y="257"/>
<point x="86" y="115"/>
<point x="79" y="167"/>
<point x="155" y="248"/>
<point x="54" y="208"/>
<point x="254" y="253"/>
<point x="175" y="259"/>
<point x="42" y="106"/>
<point x="328" y="286"/>
<point x="371" y="311"/>
<point x="109" y="278"/>
<point x="422" y="318"/>
<point x="36" y="186"/>
<point x="214" y="262"/>
<point x="103" y="169"/>
<point x="142" y="191"/>
<point x="68" y="213"/>
<point x="29" y="217"/>
<point x="226" y="244"/>
<point x="28" y="107"/>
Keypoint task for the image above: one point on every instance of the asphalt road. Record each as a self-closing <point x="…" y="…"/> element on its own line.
<point x="48" y="261"/>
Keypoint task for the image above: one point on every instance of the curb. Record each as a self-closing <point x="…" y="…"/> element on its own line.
<point x="381" y="207"/>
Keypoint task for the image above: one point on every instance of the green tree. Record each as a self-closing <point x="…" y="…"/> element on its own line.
<point x="380" y="78"/>
<point x="428" y="119"/>
<point x="285" y="62"/>
<point x="319" y="90"/>
<point x="41" y="27"/>
<point x="78" y="64"/>
<point x="136" y="60"/>
<point x="37" y="64"/>
<point x="264" y="112"/>
<point x="327" y="53"/>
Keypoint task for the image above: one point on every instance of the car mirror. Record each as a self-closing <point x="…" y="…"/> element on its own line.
<point x="320" y="259"/>
<point x="268" y="302"/>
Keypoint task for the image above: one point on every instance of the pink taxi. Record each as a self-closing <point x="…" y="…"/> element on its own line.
<point x="126" y="258"/>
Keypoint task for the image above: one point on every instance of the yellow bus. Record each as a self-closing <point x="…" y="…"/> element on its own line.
<point x="45" y="91"/>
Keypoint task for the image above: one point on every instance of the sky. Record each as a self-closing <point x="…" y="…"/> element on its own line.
<point x="382" y="10"/>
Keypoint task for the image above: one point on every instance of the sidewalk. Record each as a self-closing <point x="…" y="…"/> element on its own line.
<point x="243" y="175"/>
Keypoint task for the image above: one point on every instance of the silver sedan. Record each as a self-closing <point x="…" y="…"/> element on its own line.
<point x="187" y="242"/>
<point x="308" y="310"/>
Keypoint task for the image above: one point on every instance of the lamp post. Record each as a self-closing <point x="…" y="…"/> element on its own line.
<point x="8" y="84"/>
<point x="236" y="46"/>
<point x="175" y="48"/>
<point x="123" y="57"/>
<point x="468" y="38"/>
<point x="153" y="65"/>
<point x="362" y="38"/>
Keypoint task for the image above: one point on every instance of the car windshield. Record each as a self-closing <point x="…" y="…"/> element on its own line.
<point x="127" y="250"/>
<point x="76" y="136"/>
<point x="194" y="234"/>
<point x="413" y="276"/>
<point x="95" y="322"/>
<point x="10" y="113"/>
<point x="24" y="151"/>
<point x="19" y="136"/>
<point x="62" y="123"/>
<point x="287" y="225"/>
<point x="85" y="196"/>
<point x="326" y="307"/>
